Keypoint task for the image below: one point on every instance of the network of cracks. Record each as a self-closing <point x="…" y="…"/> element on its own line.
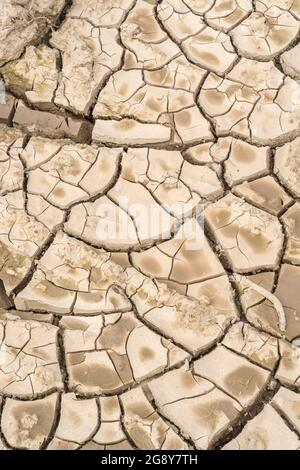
<point x="142" y="341"/>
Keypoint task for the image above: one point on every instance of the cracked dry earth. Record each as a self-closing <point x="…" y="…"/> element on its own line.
<point x="143" y="343"/>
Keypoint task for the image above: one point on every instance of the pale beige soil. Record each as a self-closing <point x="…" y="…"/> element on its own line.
<point x="143" y="342"/>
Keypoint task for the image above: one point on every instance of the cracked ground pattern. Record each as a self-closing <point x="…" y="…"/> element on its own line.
<point x="144" y="344"/>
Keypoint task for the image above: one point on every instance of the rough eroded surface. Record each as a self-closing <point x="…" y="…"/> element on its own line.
<point x="149" y="224"/>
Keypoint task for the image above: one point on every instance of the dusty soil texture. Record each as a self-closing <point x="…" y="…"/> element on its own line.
<point x="170" y="336"/>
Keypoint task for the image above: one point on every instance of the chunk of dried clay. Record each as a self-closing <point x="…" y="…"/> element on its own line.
<point x="287" y="166"/>
<point x="288" y="404"/>
<point x="110" y="435"/>
<point x="26" y="425"/>
<point x="258" y="346"/>
<point x="74" y="278"/>
<point x="287" y="292"/>
<point x="264" y="193"/>
<point x="252" y="95"/>
<point x="145" y="426"/>
<point x="52" y="125"/>
<point x="150" y="47"/>
<point x="28" y="358"/>
<point x="211" y="50"/>
<point x="267" y="431"/>
<point x="290" y="62"/>
<point x="11" y="168"/>
<point x="127" y="95"/>
<point x="130" y="132"/>
<point x="291" y="220"/>
<point x="250" y="238"/>
<point x="288" y="371"/>
<point x="226" y="15"/>
<point x="185" y="259"/>
<point x="111" y="354"/>
<point x="196" y="321"/>
<point x="65" y="173"/>
<point x="245" y="161"/>
<point x="89" y="55"/>
<point x="21" y="239"/>
<point x="34" y="75"/>
<point x="78" y="422"/>
<point x="7" y="108"/>
<point x="263" y="35"/>
<point x="234" y="374"/>
<point x="195" y="405"/>
<point x="261" y="312"/>
<point x="24" y="23"/>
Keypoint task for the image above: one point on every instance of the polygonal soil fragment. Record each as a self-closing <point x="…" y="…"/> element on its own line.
<point x="78" y="422"/>
<point x="51" y="125"/>
<point x="241" y="379"/>
<point x="7" y="106"/>
<point x="259" y="347"/>
<point x="65" y="173"/>
<point x="287" y="165"/>
<point x="288" y="372"/>
<point x="288" y="294"/>
<point x="105" y="224"/>
<point x="107" y="354"/>
<point x="288" y="403"/>
<point x="245" y="161"/>
<point x="290" y="62"/>
<point x="291" y="220"/>
<point x="149" y="46"/>
<point x="211" y="50"/>
<point x="12" y="314"/>
<point x="185" y="259"/>
<point x="11" y="168"/>
<point x="203" y="153"/>
<point x="129" y="132"/>
<point x="265" y="193"/>
<point x="267" y="431"/>
<point x="196" y="321"/>
<point x="73" y="278"/>
<point x="186" y="331"/>
<point x="226" y="15"/>
<point x="249" y="237"/>
<point x="23" y="23"/>
<point x="21" y="239"/>
<point x="129" y="95"/>
<point x="110" y="435"/>
<point x="145" y="427"/>
<point x="251" y="96"/>
<point x="27" y="424"/>
<point x="178" y="74"/>
<point x="195" y="405"/>
<point x="34" y="75"/>
<point x="265" y="33"/>
<point x="28" y="358"/>
<point x="130" y="214"/>
<point x="4" y="299"/>
<point x="89" y="55"/>
<point x="101" y="12"/>
<point x="179" y="19"/>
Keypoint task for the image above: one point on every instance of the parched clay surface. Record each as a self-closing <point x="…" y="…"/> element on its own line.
<point x="149" y="225"/>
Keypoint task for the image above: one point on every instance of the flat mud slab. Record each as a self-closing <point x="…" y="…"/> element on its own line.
<point x="150" y="225"/>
